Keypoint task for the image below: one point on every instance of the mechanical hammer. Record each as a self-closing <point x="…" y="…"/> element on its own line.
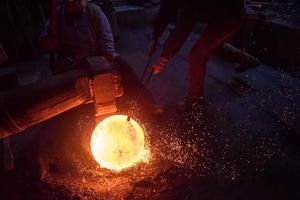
<point x="27" y="106"/>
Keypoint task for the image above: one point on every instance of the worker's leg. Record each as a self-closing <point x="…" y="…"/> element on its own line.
<point x="212" y="38"/>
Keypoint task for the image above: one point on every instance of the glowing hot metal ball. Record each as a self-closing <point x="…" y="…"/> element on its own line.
<point x="117" y="144"/>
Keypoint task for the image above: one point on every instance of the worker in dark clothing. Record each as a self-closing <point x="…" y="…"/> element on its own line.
<point x="83" y="31"/>
<point x="222" y="18"/>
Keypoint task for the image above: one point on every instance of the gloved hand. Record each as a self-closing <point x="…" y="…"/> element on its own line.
<point x="152" y="46"/>
<point x="159" y="65"/>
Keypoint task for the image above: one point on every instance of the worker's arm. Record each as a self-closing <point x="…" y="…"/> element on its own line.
<point x="105" y="40"/>
<point x="167" y="11"/>
<point x="188" y="18"/>
<point x="183" y="29"/>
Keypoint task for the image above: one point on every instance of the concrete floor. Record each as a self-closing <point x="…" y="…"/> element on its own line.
<point x="245" y="145"/>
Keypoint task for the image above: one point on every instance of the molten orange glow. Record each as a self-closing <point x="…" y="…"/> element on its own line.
<point x="117" y="144"/>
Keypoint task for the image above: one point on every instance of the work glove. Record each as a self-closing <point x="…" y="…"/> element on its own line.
<point x="159" y="65"/>
<point x="48" y="44"/>
<point x="152" y="46"/>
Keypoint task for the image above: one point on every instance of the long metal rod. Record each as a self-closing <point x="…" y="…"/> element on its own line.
<point x="146" y="66"/>
<point x="142" y="80"/>
<point x="145" y="85"/>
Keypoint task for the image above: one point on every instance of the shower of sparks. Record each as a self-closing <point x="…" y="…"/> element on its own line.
<point x="181" y="149"/>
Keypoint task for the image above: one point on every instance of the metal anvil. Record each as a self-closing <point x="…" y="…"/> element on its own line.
<point x="27" y="106"/>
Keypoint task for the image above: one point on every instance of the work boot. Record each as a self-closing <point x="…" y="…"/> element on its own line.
<point x="189" y="104"/>
<point x="248" y="62"/>
<point x="232" y="54"/>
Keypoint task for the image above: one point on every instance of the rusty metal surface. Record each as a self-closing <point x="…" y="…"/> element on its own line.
<point x="30" y="105"/>
<point x="104" y="94"/>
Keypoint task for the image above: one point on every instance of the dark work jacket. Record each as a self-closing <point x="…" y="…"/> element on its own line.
<point x="190" y="12"/>
<point x="195" y="10"/>
<point x="224" y="8"/>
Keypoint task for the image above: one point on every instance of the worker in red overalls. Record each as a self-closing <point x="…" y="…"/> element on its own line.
<point x="222" y="18"/>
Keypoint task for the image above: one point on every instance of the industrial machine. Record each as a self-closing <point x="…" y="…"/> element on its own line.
<point x="26" y="106"/>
